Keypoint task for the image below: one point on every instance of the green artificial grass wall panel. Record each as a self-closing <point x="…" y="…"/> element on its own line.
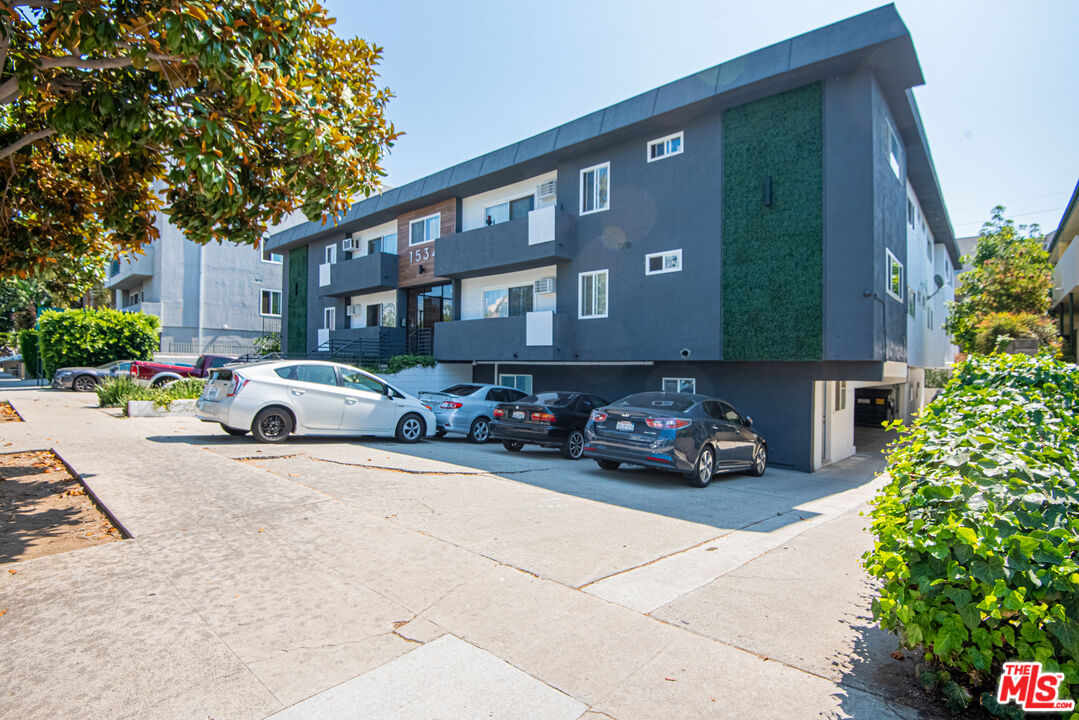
<point x="772" y="254"/>
<point x="297" y="300"/>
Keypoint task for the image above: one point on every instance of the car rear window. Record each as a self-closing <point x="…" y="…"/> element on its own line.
<point x="676" y="402"/>
<point x="551" y="399"/>
<point x="461" y="390"/>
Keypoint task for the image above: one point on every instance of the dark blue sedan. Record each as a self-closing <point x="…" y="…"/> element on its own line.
<point x="697" y="435"/>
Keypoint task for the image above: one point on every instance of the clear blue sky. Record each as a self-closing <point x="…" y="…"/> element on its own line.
<point x="1000" y="103"/>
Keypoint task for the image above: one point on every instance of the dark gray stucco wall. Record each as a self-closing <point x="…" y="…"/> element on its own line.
<point x="889" y="225"/>
<point x="672" y="203"/>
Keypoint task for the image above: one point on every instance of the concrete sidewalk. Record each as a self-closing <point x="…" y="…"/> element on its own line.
<point x="309" y="581"/>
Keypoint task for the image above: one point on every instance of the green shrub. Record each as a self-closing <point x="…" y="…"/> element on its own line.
<point x="937" y="377"/>
<point x="403" y="362"/>
<point x="977" y="532"/>
<point x="95" y="336"/>
<point x="186" y="389"/>
<point x="116" y="391"/>
<point x="996" y="330"/>
<point x="30" y="350"/>
<point x="268" y="343"/>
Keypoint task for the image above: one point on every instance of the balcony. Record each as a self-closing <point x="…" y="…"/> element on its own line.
<point x="131" y="270"/>
<point x="150" y="308"/>
<point x="532" y="337"/>
<point x="542" y="238"/>
<point x="359" y="275"/>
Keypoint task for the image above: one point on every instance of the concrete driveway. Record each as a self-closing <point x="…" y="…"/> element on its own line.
<point x="325" y="578"/>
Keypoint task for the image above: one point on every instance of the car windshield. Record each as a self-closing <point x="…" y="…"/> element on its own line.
<point x="110" y="365"/>
<point x="675" y="402"/>
<point x="461" y="390"/>
<point x="551" y="399"/>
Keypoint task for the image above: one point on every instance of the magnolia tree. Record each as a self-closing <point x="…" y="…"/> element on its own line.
<point x="227" y="116"/>
<point x="1006" y="293"/>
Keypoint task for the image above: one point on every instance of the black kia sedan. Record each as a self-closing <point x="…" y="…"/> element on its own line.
<point x="548" y="419"/>
<point x="697" y="435"/>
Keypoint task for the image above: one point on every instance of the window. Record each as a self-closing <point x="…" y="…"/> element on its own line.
<point x="374" y="315"/>
<point x="665" y="147"/>
<point x="911" y="301"/>
<point x="929" y="248"/>
<point x="272" y="257"/>
<point x="384" y="314"/>
<point x="664" y="262"/>
<point x="328" y="316"/>
<point x="840" y="396"/>
<point x="894" y="284"/>
<point x="520" y="382"/>
<point x="271" y="303"/>
<point x="910" y="214"/>
<point x="329" y="253"/>
<point x="507" y="302"/>
<point x="509" y="210"/>
<point x="595" y="190"/>
<point x="387" y="244"/>
<point x="356" y="380"/>
<point x="895" y="151"/>
<point x="424" y="230"/>
<point x="319" y="374"/>
<point x="593" y="294"/>
<point x="680" y="385"/>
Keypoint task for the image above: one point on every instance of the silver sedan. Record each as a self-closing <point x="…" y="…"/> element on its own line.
<point x="466" y="409"/>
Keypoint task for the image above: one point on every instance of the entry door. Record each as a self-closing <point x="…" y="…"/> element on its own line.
<point x="319" y="401"/>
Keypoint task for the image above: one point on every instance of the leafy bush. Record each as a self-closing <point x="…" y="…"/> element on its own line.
<point x="268" y="343"/>
<point x="977" y="532"/>
<point x="185" y="389"/>
<point x="30" y="350"/>
<point x="403" y="362"/>
<point x="937" y="377"/>
<point x="116" y="391"/>
<point x="96" y="336"/>
<point x="996" y="330"/>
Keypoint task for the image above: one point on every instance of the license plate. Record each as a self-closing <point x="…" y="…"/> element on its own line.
<point x="518" y="415"/>
<point x="625" y="425"/>
<point x="211" y="394"/>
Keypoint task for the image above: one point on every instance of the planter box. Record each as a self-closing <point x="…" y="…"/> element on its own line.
<point x="146" y="408"/>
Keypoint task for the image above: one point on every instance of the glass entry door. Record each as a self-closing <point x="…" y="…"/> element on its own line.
<point x="427" y="306"/>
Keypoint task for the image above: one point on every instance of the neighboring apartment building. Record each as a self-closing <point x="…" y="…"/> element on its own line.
<point x="216" y="297"/>
<point x="1064" y="254"/>
<point x="741" y="232"/>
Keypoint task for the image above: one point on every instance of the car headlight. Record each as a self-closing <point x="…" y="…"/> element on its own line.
<point x="63" y="373"/>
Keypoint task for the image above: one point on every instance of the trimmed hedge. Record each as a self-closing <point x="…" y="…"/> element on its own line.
<point x="30" y="351"/>
<point x="977" y="532"/>
<point x="403" y="362"/>
<point x="95" y="336"/>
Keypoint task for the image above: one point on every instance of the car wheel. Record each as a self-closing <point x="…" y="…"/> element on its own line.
<point x="233" y="431"/>
<point x="480" y="431"/>
<point x="83" y="383"/>
<point x="440" y="432"/>
<point x="410" y="428"/>
<point x="760" y="461"/>
<point x="574" y="446"/>
<point x="609" y="464"/>
<point x="272" y="425"/>
<point x="704" y="468"/>
<point x="513" y="445"/>
<point x="157" y="384"/>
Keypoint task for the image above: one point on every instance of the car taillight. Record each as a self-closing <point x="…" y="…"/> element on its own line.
<point x="499" y="412"/>
<point x="134" y="370"/>
<point x="450" y="405"/>
<point x="238" y="383"/>
<point x="666" y="423"/>
<point x="598" y="416"/>
<point x="543" y="417"/>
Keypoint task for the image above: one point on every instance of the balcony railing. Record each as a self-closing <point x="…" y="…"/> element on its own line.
<point x="544" y="237"/>
<point x="534" y="336"/>
<point x="369" y="273"/>
<point x="131" y="270"/>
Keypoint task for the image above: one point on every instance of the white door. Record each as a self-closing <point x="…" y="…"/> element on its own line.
<point x="318" y="399"/>
<point x="368" y="409"/>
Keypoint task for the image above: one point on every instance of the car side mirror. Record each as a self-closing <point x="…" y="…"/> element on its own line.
<point x="748" y="422"/>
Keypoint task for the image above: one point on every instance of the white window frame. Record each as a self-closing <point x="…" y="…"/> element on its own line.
<point x="665" y="141"/>
<point x="580" y="293"/>
<point x="893" y="158"/>
<point x="329" y="254"/>
<point x="890" y="260"/>
<point x="506" y="201"/>
<point x="677" y="253"/>
<point x="502" y="380"/>
<point x="268" y="257"/>
<point x="679" y="381"/>
<point x="438" y="229"/>
<point x="280" y="299"/>
<point x="507" y="288"/>
<point x="584" y="171"/>
<point x="329" y="318"/>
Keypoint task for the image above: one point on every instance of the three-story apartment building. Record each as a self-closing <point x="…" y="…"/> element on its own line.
<point x="740" y="232"/>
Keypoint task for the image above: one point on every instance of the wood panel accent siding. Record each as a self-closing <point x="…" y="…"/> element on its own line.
<point x="408" y="268"/>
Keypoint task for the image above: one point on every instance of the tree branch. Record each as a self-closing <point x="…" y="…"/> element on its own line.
<point x="9" y="91"/>
<point x="24" y="141"/>
<point x="74" y="61"/>
<point x="41" y="4"/>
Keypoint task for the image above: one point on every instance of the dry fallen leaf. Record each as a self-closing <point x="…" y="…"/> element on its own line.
<point x="11" y="571"/>
<point x="261" y="529"/>
<point x="3" y="612"/>
<point x="670" y="679"/>
<point x="897" y="655"/>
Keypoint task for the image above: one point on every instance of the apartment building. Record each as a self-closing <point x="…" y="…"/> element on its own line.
<point x="1064" y="254"/>
<point x="210" y="298"/>
<point x="769" y="230"/>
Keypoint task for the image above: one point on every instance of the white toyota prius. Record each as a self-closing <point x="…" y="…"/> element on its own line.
<point x="275" y="399"/>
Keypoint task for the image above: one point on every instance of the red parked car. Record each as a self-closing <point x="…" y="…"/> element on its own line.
<point x="157" y="374"/>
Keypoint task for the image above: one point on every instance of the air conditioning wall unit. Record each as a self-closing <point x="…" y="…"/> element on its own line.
<point x="546" y="190"/>
<point x="349" y="244"/>
<point x="545" y="285"/>
<point x="353" y="310"/>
